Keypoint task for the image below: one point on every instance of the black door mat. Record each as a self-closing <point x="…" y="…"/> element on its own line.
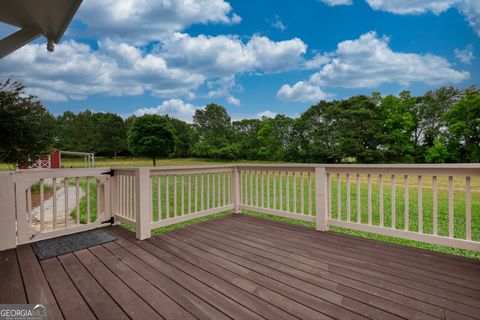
<point x="65" y="244"/>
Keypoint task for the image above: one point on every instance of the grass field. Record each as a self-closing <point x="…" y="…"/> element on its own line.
<point x="459" y="202"/>
<point x="76" y="162"/>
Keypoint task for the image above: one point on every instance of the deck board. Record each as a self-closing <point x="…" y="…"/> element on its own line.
<point x="243" y="267"/>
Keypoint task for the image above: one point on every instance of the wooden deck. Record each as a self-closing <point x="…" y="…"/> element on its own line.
<point x="240" y="267"/>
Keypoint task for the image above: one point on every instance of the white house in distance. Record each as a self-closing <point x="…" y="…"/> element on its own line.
<point x="35" y="18"/>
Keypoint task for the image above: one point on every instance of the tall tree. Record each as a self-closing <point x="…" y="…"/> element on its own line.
<point x="399" y="122"/>
<point x="317" y="134"/>
<point x="215" y="133"/>
<point x="113" y="133"/>
<point x="186" y="138"/>
<point x="246" y="136"/>
<point x="274" y="138"/>
<point x="463" y="121"/>
<point x="26" y="126"/>
<point x="151" y="136"/>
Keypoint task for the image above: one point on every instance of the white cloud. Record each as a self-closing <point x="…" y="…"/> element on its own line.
<point x="469" y="8"/>
<point x="175" y="68"/>
<point x="368" y="62"/>
<point x="175" y="108"/>
<point x="317" y="61"/>
<point x="225" y="55"/>
<point x="301" y="92"/>
<point x="337" y="2"/>
<point x="143" y="21"/>
<point x="233" y="101"/>
<point x="75" y="71"/>
<point x="466" y="55"/>
<point x="266" y="114"/>
<point x="412" y="6"/>
<point x="277" y="23"/>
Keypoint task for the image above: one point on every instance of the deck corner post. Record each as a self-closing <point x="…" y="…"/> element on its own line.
<point x="236" y="190"/>
<point x="143" y="203"/>
<point x="321" y="201"/>
<point x="8" y="229"/>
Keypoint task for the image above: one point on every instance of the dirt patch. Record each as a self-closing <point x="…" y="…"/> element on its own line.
<point x="48" y="193"/>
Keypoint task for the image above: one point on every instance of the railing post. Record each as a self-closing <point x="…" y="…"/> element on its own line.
<point x="113" y="195"/>
<point x="236" y="190"/>
<point x="8" y="236"/>
<point x="321" y="201"/>
<point x="143" y="203"/>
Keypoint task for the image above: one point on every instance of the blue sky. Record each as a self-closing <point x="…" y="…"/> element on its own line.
<point x="253" y="57"/>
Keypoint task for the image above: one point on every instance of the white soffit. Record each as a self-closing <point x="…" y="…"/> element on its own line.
<point x="49" y="18"/>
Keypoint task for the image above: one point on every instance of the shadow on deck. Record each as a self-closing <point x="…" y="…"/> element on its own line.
<point x="243" y="267"/>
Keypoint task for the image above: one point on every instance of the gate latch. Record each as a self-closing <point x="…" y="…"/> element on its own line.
<point x="111" y="221"/>
<point x="111" y="173"/>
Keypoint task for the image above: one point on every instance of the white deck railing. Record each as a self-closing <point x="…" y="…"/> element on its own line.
<point x="437" y="204"/>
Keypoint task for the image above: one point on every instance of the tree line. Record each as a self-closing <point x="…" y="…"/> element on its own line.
<point x="443" y="125"/>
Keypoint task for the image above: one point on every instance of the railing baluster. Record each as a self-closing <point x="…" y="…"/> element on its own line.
<point x="468" y="209"/>
<point x="77" y="200"/>
<point x="202" y="195"/>
<point x="339" y="198"/>
<point x="208" y="191"/>
<point x="380" y="178"/>
<point x="167" y="197"/>
<point x="218" y="190"/>
<point x="159" y="197"/>
<point x="302" y="193"/>
<point x="225" y="189"/>
<point x="392" y="201"/>
<point x="268" y="190"/>
<point x="175" y="213"/>
<point x="406" y="213"/>
<point x="450" y="207"/>
<point x="280" y="177"/>
<point x="262" y="194"/>
<point x="87" y="188"/>
<point x="125" y="196"/>
<point x="256" y="188"/>
<point x="131" y="195"/>
<point x="329" y="194"/>
<point x="287" y="191"/>
<point x="359" y="203"/>
<point x="294" y="192"/>
<point x="251" y="188"/>
<point x="349" y="213"/>
<point x="98" y="187"/>
<point x="369" y="177"/>
<point x="189" y="208"/>
<point x="65" y="197"/>
<point x="54" y="218"/>
<point x="29" y="205"/>
<point x="183" y="196"/>
<point x="229" y="189"/>
<point x="241" y="187"/>
<point x="274" y="174"/>
<point x="420" y="205"/>
<point x="310" y="193"/>
<point x="213" y="191"/>
<point x="435" y="205"/>
<point x="196" y="193"/>
<point x="42" y="203"/>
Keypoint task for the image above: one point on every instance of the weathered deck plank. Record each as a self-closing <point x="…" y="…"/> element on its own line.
<point x="242" y="267"/>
